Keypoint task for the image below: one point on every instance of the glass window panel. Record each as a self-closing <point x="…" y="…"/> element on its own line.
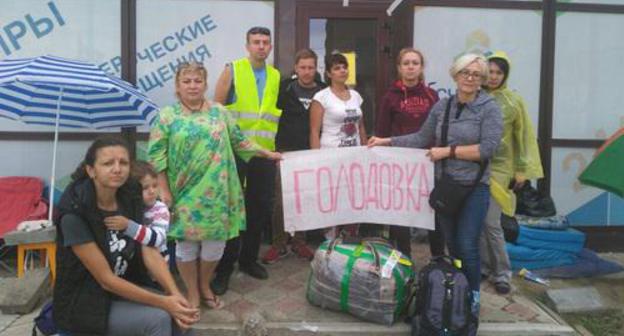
<point x="209" y="31"/>
<point x="318" y="34"/>
<point x="478" y="29"/>
<point x="584" y="205"/>
<point x="88" y="30"/>
<point x="588" y="75"/>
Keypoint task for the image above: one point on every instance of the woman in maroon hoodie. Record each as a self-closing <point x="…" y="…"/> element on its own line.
<point x="403" y="110"/>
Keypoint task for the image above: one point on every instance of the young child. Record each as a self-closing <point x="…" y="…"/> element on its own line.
<point x="153" y="232"/>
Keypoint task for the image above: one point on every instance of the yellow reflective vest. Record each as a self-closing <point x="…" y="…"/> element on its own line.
<point x="258" y="122"/>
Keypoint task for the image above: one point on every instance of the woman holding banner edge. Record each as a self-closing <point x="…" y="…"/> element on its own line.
<point x="474" y="132"/>
<point x="192" y="145"/>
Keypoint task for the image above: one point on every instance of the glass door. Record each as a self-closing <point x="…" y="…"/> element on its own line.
<point x="355" y="39"/>
<point x="359" y="34"/>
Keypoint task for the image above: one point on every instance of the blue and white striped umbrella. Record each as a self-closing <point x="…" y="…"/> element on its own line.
<point x="54" y="91"/>
<point x="34" y="90"/>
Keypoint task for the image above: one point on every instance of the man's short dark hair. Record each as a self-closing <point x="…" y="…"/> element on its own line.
<point x="258" y="30"/>
<point x="306" y="53"/>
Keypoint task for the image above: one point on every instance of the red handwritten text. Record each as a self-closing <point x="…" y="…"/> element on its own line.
<point x="379" y="185"/>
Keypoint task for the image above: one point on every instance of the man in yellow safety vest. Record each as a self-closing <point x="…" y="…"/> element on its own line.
<point x="249" y="87"/>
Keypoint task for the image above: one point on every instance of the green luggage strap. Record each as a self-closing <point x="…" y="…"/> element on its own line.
<point x="353" y="255"/>
<point x="346" y="278"/>
<point x="400" y="290"/>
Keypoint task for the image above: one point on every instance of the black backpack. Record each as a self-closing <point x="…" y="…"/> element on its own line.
<point x="442" y="301"/>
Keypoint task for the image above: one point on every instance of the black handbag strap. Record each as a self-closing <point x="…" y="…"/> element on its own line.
<point x="444" y="142"/>
<point x="445" y="123"/>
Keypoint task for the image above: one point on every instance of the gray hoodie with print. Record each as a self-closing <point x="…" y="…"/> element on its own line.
<point x="479" y="122"/>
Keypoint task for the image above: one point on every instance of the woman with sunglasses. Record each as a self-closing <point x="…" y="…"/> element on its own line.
<point x="474" y="132"/>
<point x="192" y="146"/>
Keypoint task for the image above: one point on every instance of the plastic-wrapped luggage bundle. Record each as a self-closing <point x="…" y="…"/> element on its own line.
<point x="369" y="280"/>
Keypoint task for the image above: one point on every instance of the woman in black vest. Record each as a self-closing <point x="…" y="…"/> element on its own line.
<point x="99" y="289"/>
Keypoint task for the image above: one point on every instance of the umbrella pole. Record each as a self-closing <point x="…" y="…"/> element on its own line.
<point x="52" y="177"/>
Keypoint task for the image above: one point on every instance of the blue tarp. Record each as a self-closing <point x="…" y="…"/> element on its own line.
<point x="569" y="240"/>
<point x="587" y="264"/>
<point x="531" y="259"/>
<point x="557" y="253"/>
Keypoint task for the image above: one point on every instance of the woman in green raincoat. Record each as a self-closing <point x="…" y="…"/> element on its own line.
<point x="516" y="160"/>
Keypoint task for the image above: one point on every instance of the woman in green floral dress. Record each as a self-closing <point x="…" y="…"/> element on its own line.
<point x="192" y="146"/>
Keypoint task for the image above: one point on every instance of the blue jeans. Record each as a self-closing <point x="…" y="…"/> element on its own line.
<point x="462" y="233"/>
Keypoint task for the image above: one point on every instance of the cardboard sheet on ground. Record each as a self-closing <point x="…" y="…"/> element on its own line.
<point x="382" y="185"/>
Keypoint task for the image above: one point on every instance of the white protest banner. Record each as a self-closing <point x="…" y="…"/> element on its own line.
<point x="383" y="185"/>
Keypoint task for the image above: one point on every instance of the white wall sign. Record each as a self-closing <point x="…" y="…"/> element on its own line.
<point x="324" y="188"/>
<point x="87" y="30"/>
<point x="77" y="29"/>
<point x="90" y="30"/>
<point x="211" y="32"/>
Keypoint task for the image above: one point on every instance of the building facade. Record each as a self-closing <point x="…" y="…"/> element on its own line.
<point x="565" y="63"/>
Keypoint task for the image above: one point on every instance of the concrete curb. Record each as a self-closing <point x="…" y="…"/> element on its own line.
<point x="522" y="328"/>
<point x="350" y="328"/>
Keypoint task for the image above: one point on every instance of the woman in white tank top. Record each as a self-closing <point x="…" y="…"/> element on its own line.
<point x="336" y="118"/>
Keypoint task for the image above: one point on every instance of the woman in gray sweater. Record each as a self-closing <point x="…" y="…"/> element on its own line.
<point x="475" y="129"/>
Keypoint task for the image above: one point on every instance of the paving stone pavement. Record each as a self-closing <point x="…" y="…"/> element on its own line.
<point x="281" y="301"/>
<point x="6" y="320"/>
<point x="20" y="325"/>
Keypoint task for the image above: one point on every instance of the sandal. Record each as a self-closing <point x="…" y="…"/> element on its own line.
<point x="213" y="303"/>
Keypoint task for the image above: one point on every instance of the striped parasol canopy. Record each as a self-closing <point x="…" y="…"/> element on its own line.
<point x="34" y="90"/>
<point x="50" y="90"/>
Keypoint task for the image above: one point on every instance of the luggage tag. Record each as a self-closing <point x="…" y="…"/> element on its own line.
<point x="393" y="259"/>
<point x="405" y="262"/>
